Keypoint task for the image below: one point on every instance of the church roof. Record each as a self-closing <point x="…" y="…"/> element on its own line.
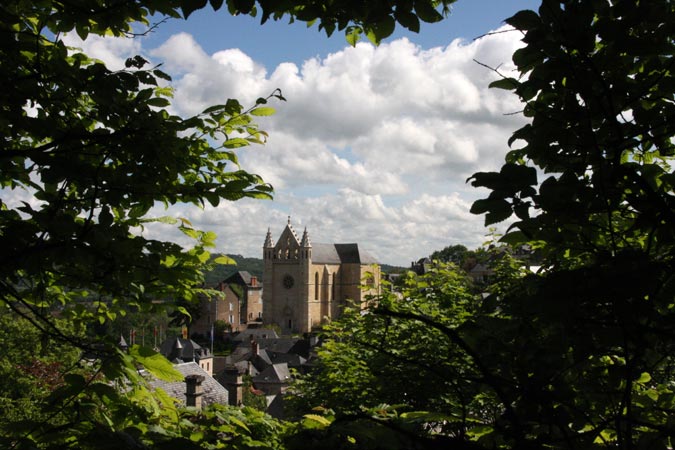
<point x="340" y="254"/>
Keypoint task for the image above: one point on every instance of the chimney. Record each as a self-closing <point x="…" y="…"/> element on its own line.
<point x="194" y="390"/>
<point x="235" y="386"/>
<point x="254" y="281"/>
<point x="254" y="348"/>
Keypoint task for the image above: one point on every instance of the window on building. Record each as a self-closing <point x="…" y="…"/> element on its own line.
<point x="316" y="286"/>
<point x="332" y="287"/>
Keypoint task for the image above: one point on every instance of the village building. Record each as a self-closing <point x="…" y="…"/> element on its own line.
<point x="179" y="350"/>
<point x="198" y="388"/>
<point x="240" y="305"/>
<point x="307" y="283"/>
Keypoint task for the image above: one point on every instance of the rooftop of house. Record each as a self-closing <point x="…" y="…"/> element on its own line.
<point x="296" y="346"/>
<point x="213" y="392"/>
<point x="276" y="373"/>
<point x="256" y="333"/>
<point x="244" y="278"/>
<point x="183" y="350"/>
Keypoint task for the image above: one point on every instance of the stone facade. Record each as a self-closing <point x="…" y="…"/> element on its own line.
<point x="240" y="306"/>
<point x="307" y="283"/>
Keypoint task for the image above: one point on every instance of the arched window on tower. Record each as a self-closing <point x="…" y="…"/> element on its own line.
<point x="316" y="285"/>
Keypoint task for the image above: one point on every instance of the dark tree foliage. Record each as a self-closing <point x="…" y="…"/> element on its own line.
<point x="579" y="355"/>
<point x="86" y="153"/>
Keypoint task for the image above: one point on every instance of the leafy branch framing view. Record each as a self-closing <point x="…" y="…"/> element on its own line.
<point x="576" y="355"/>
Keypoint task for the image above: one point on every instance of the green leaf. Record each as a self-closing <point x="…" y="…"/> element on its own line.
<point x="262" y="111"/>
<point x="236" y="143"/>
<point x="645" y="377"/>
<point x="381" y="30"/>
<point x="315" y="421"/>
<point x="505" y="83"/>
<point x="158" y="101"/>
<point x="353" y="34"/>
<point x="427" y="12"/>
<point x="524" y="20"/>
<point x="216" y="4"/>
<point x="155" y="363"/>
<point x="408" y="20"/>
<point x="224" y="259"/>
<point x="190" y="6"/>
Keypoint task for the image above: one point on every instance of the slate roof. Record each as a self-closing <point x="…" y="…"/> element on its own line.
<point x="182" y="350"/>
<point x="479" y="268"/>
<point x="214" y="392"/>
<point x="340" y="254"/>
<point x="275" y="406"/>
<point x="296" y="346"/>
<point x="241" y="277"/>
<point x="288" y="358"/>
<point x="261" y="360"/>
<point x="255" y="333"/>
<point x="276" y="373"/>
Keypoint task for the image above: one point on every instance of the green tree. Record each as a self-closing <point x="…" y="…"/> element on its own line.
<point x="456" y="254"/>
<point x="391" y="355"/>
<point x="32" y="366"/>
<point x="95" y="149"/>
<point x="597" y="83"/>
<point x="580" y="354"/>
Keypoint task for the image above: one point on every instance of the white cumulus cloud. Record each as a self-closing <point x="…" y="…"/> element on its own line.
<point x="373" y="145"/>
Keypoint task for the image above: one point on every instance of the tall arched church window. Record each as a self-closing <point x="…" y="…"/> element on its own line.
<point x="332" y="286"/>
<point x="316" y="285"/>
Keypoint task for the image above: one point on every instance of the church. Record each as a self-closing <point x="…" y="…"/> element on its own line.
<point x="306" y="284"/>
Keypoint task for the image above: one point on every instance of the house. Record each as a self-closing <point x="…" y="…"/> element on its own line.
<point x="307" y="283"/>
<point x="179" y="350"/>
<point x="481" y="273"/>
<point x="421" y="266"/>
<point x="198" y="389"/>
<point x="240" y="305"/>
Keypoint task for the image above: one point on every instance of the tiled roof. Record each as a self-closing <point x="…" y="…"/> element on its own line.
<point x="214" y="392"/>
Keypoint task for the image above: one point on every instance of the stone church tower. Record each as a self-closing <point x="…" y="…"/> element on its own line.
<point x="306" y="283"/>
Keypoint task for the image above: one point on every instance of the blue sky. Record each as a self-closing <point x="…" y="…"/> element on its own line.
<point x="373" y="145"/>
<point x="277" y="42"/>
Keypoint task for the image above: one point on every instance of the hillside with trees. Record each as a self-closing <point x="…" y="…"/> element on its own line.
<point x="578" y="355"/>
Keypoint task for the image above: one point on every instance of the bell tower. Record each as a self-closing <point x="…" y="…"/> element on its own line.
<point x="285" y="281"/>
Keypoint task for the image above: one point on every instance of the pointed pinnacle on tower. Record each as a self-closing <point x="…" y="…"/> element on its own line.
<point x="268" y="240"/>
<point x="290" y="227"/>
<point x="305" y="239"/>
